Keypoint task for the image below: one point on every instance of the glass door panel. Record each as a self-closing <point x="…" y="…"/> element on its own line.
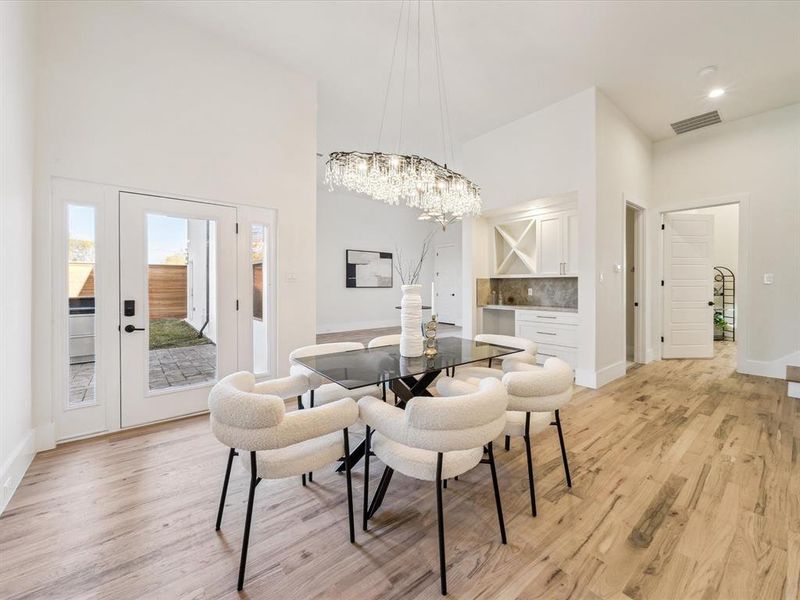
<point x="178" y="304"/>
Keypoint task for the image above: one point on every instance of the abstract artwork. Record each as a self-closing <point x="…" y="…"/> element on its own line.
<point x="366" y="269"/>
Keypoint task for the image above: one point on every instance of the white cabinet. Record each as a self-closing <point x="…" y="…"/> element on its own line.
<point x="569" y="242"/>
<point x="557" y="237"/>
<point x="555" y="333"/>
<point x="540" y="243"/>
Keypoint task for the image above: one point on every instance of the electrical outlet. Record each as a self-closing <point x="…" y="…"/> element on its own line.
<point x="530" y="291"/>
<point x="769" y="278"/>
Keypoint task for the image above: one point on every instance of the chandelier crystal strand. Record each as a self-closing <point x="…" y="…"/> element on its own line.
<point x="439" y="193"/>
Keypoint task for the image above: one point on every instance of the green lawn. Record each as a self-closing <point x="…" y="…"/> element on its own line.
<point x="174" y="333"/>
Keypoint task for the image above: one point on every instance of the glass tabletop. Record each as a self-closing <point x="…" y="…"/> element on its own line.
<point x="371" y="366"/>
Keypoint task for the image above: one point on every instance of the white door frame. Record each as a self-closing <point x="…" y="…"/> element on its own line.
<point x="105" y="196"/>
<point x="639" y="281"/>
<point x="247" y="217"/>
<point x="742" y="292"/>
<point x="83" y="421"/>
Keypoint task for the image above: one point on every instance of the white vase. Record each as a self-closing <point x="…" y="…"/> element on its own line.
<point x="411" y="342"/>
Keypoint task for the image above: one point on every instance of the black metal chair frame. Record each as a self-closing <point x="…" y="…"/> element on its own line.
<point x="370" y="508"/>
<point x="255" y="480"/>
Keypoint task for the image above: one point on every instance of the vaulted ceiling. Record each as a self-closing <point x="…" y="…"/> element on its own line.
<point x="504" y="60"/>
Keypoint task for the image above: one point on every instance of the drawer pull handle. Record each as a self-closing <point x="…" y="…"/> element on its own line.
<point x="546" y="333"/>
<point x="550" y="355"/>
<point x="546" y="317"/>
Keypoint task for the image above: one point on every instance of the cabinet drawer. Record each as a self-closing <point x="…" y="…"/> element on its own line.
<point x="543" y="316"/>
<point x="568" y="355"/>
<point x="549" y="333"/>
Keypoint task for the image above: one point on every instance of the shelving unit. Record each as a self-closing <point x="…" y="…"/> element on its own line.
<point x="725" y="303"/>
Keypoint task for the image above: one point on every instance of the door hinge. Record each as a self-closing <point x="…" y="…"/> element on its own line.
<point x="237" y="228"/>
<point x="662" y="227"/>
<point x="237" y="305"/>
<point x="662" y="283"/>
<point x="662" y="339"/>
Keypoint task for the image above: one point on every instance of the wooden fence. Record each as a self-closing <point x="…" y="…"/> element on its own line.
<point x="167" y="288"/>
<point x="167" y="293"/>
<point x="258" y="291"/>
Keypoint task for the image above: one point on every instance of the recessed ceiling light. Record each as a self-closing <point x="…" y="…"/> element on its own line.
<point x="716" y="93"/>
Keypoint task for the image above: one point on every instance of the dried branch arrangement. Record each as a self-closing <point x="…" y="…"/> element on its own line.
<point x="409" y="269"/>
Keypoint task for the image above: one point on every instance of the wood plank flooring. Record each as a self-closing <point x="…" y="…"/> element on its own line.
<point x="686" y="485"/>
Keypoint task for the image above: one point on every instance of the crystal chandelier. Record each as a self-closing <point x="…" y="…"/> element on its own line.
<point x="439" y="193"/>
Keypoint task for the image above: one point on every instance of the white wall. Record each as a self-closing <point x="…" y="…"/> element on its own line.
<point x="349" y="221"/>
<point x="544" y="154"/>
<point x="128" y="100"/>
<point x="16" y="206"/>
<point x="196" y="278"/>
<point x="759" y="158"/>
<point x="624" y="174"/>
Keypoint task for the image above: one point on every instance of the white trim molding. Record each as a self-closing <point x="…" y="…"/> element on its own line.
<point x="13" y="470"/>
<point x="769" y="368"/>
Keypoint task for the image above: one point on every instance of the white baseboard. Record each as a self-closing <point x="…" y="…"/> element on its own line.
<point x="358" y="325"/>
<point x="597" y="379"/>
<point x="769" y="368"/>
<point x="15" y="467"/>
<point x="649" y="355"/>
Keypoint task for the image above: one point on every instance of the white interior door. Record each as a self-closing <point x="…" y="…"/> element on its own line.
<point x="447" y="268"/>
<point x="688" y="286"/>
<point x="177" y="278"/>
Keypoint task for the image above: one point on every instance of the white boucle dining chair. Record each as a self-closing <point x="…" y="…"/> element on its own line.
<point x="434" y="439"/>
<point x="535" y="396"/>
<point x="527" y="355"/>
<point x="251" y="420"/>
<point x="392" y="339"/>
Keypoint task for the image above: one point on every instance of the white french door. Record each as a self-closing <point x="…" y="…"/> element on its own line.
<point x="688" y="286"/>
<point x="177" y="303"/>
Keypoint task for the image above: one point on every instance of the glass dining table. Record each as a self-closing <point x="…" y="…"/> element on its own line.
<point x="406" y="377"/>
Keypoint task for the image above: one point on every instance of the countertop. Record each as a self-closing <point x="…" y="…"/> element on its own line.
<point x="527" y="307"/>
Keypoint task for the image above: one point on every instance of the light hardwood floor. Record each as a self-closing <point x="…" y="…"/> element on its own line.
<point x="686" y="485"/>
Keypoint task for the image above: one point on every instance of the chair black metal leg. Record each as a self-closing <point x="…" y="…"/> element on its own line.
<point x="301" y="407"/>
<point x="490" y="363"/>
<point x="349" y="486"/>
<point x="383" y="390"/>
<point x="311" y="405"/>
<point x="366" y="482"/>
<point x="440" y="519"/>
<point x="444" y="484"/>
<point x="563" y="450"/>
<point x="497" y="495"/>
<point x="246" y="540"/>
<point x="231" y="454"/>
<point x="508" y="443"/>
<point x="527" y="439"/>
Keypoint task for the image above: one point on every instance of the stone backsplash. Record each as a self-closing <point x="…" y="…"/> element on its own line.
<point x="547" y="291"/>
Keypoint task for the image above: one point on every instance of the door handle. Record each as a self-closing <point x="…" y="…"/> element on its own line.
<point x="131" y="328"/>
<point x="452" y="294"/>
<point x="711" y="303"/>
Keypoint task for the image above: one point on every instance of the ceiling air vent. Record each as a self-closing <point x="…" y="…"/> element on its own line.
<point x="692" y="123"/>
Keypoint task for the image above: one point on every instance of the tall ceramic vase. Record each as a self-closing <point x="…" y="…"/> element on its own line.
<point x="411" y="342"/>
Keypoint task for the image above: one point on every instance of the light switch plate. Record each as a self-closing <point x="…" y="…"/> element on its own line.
<point x="769" y="278"/>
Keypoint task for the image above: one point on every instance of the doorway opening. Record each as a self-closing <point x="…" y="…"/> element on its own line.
<point x="634" y="284"/>
<point x="701" y="268"/>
